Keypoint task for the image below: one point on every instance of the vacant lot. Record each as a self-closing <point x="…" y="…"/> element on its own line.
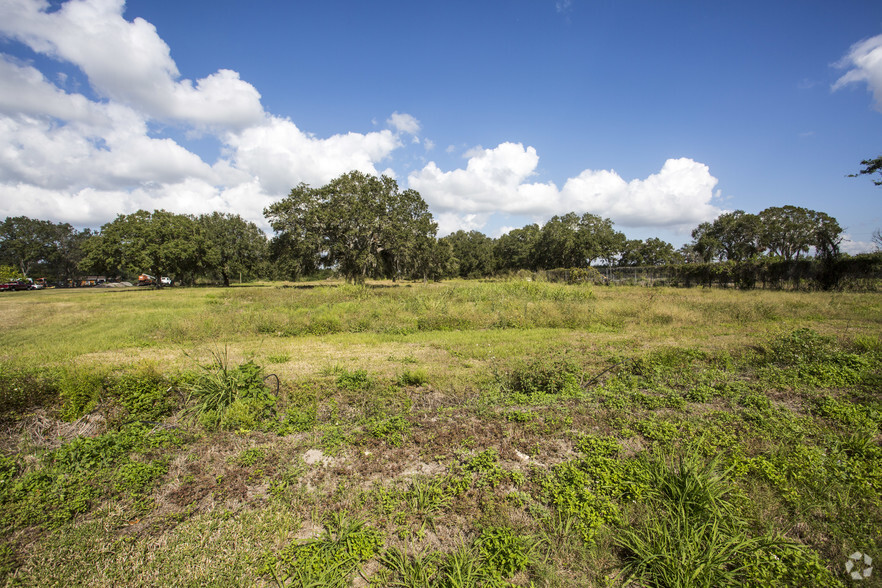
<point x="453" y="434"/>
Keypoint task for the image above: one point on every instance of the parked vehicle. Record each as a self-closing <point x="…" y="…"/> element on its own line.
<point x="16" y="285"/>
<point x="146" y="280"/>
<point x="164" y="281"/>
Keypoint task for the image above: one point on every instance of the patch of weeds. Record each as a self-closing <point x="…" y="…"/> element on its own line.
<point x="700" y="393"/>
<point x="505" y="551"/>
<point x="330" y="560"/>
<point x="21" y="388"/>
<point x="67" y="481"/>
<point x="408" y="570"/>
<point x="582" y="491"/>
<point x="354" y="381"/>
<point x="251" y="456"/>
<point x="324" y="325"/>
<point x="520" y="416"/>
<point x="392" y="430"/>
<point x="286" y="481"/>
<point x="334" y="437"/>
<point x="486" y="465"/>
<point x="136" y="478"/>
<point x="297" y="419"/>
<point x="658" y="431"/>
<point x="693" y="535"/>
<point x="756" y="401"/>
<point x="534" y="379"/>
<point x="228" y="397"/>
<point x="815" y="359"/>
<point x="416" y="377"/>
<point x="278" y="358"/>
<point x="426" y="498"/>
<point x="570" y="492"/>
<point x="8" y="560"/>
<point x="464" y="566"/>
<point x="145" y="395"/>
<point x="80" y="391"/>
<point x="848" y="414"/>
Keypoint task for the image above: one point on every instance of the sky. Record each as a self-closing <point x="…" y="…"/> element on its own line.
<point x="657" y="115"/>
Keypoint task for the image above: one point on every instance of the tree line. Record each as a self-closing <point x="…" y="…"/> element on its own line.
<point x="361" y="226"/>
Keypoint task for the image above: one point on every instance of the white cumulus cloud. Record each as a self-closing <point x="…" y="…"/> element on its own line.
<point x="497" y="180"/>
<point x="864" y="64"/>
<point x="128" y="62"/>
<point x="404" y="123"/>
<point x="68" y="157"/>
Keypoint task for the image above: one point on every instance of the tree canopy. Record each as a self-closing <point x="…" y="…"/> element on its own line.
<point x="361" y="224"/>
<point x="158" y="243"/>
<point x="41" y="245"/>
<point x="231" y="245"/>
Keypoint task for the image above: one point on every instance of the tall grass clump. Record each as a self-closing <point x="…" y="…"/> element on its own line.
<point x="229" y="397"/>
<point x="693" y="535"/>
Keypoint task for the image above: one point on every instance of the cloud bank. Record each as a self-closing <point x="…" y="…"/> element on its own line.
<point x="497" y="180"/>
<point x="86" y="156"/>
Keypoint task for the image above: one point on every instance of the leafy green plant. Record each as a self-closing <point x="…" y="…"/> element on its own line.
<point x="409" y="570"/>
<point x="355" y="381"/>
<point x="329" y="560"/>
<point x="146" y="395"/>
<point x="392" y="430"/>
<point x="694" y="535"/>
<point x="505" y="551"/>
<point x="80" y="391"/>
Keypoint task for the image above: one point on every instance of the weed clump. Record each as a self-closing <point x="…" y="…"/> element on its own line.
<point x="228" y="397"/>
<point x="694" y="535"/>
<point x="330" y="560"/>
<point x="532" y="380"/>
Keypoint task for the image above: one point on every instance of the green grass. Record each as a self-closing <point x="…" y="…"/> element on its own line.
<point x="455" y="434"/>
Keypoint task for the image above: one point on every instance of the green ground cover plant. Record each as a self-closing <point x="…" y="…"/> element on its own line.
<point x="506" y="433"/>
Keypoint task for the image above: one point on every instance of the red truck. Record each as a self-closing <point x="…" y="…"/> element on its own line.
<point x="16" y="285"/>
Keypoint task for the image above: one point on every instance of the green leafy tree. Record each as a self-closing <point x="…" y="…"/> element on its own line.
<point x="790" y="231"/>
<point x="160" y="243"/>
<point x="558" y="244"/>
<point x="64" y="263"/>
<point x="736" y="235"/>
<point x="26" y="242"/>
<point x="705" y="244"/>
<point x="652" y="251"/>
<point x="516" y="250"/>
<point x="8" y="273"/>
<point x="408" y="238"/>
<point x="231" y="246"/>
<point x="598" y="240"/>
<point x="573" y="241"/>
<point x="473" y="252"/>
<point x="361" y="224"/>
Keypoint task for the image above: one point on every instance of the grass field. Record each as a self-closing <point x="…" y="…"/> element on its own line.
<point x="453" y="434"/>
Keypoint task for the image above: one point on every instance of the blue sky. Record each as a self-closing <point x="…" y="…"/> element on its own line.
<point x="659" y="115"/>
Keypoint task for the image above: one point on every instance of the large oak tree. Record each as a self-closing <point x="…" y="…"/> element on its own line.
<point x="361" y="224"/>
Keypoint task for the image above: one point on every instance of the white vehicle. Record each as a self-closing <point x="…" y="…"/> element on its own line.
<point x="165" y="281"/>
